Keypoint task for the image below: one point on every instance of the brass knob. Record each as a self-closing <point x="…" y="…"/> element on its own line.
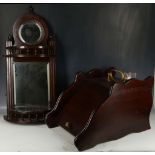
<point x="68" y="124"/>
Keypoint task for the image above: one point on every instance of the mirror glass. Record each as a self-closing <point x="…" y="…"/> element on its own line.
<point x="31" y="32"/>
<point x="31" y="81"/>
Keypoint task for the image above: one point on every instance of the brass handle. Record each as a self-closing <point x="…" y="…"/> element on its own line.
<point x="112" y="78"/>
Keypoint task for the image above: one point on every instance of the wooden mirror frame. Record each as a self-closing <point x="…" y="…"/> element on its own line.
<point x="16" y="51"/>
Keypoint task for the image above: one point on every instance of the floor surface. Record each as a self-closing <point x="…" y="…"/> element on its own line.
<point x="39" y="138"/>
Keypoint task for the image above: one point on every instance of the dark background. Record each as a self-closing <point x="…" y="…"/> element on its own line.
<point x="90" y="36"/>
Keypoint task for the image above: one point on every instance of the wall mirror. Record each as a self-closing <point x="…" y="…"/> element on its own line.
<point x="31" y="78"/>
<point x="30" y="63"/>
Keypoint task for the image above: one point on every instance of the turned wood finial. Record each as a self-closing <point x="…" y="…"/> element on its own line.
<point x="10" y="37"/>
<point x="31" y="9"/>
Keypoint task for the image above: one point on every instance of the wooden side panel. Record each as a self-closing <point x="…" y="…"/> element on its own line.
<point x="126" y="111"/>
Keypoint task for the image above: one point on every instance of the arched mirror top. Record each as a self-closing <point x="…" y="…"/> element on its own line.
<point x="30" y="30"/>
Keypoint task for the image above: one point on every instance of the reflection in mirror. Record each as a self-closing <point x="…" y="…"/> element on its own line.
<point x="31" y="81"/>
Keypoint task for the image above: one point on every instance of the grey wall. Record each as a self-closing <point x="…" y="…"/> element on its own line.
<point x="90" y="36"/>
